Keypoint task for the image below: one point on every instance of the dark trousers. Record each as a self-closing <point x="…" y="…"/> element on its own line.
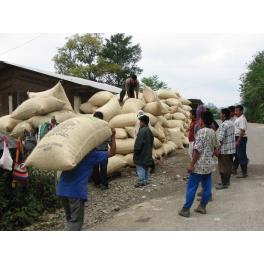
<point x="241" y="153"/>
<point x="74" y="211"/>
<point x="225" y="162"/>
<point x="193" y="183"/>
<point x="130" y="94"/>
<point x="99" y="175"/>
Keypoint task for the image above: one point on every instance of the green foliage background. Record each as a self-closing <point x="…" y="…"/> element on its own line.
<point x="20" y="207"/>
<point x="252" y="89"/>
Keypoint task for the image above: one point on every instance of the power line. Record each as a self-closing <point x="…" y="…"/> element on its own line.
<point x="20" y="46"/>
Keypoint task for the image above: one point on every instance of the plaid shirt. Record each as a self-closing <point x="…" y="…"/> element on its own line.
<point x="226" y="135"/>
<point x="205" y="144"/>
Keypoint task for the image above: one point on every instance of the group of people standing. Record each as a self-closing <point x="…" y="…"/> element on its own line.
<point x="209" y="143"/>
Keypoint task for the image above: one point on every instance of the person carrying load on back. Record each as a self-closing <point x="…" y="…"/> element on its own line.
<point x="99" y="175"/>
<point x="131" y="86"/>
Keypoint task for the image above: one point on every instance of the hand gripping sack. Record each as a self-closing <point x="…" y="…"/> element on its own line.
<point x="68" y="143"/>
<point x="6" y="161"/>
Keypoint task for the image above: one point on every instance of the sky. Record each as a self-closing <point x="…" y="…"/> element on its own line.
<point x="203" y="66"/>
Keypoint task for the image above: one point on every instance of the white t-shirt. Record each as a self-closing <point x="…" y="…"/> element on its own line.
<point x="233" y="119"/>
<point x="240" y="123"/>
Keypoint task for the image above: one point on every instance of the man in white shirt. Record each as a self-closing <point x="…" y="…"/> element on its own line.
<point x="241" y="142"/>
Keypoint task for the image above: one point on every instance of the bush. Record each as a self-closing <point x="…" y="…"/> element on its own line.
<point x="21" y="206"/>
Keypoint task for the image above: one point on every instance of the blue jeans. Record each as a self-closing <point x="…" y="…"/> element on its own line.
<point x="143" y="174"/>
<point x="193" y="183"/>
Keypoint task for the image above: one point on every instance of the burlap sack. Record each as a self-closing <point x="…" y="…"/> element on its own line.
<point x="175" y="123"/>
<point x="185" y="101"/>
<point x="100" y="98"/>
<point x="20" y="128"/>
<point x="120" y="133"/>
<point x="152" y="119"/>
<point x="157" y="143"/>
<point x="110" y="109"/>
<point x="160" y="152"/>
<point x="125" y="146"/>
<point x="149" y="95"/>
<point x="168" y="116"/>
<point x="179" y="116"/>
<point x="60" y="116"/>
<point x="124" y="120"/>
<point x="165" y="94"/>
<point x="115" y="164"/>
<point x="7" y="123"/>
<point x="169" y="147"/>
<point x="163" y="121"/>
<point x="174" y="109"/>
<point x="185" y="141"/>
<point x="129" y="160"/>
<point x="176" y="136"/>
<point x="68" y="143"/>
<point x="131" y="131"/>
<point x="37" y="106"/>
<point x="173" y="102"/>
<point x="165" y="108"/>
<point x="141" y="97"/>
<point x="160" y="131"/>
<point x="132" y="105"/>
<point x="56" y="91"/>
<point x="186" y="108"/>
<point x="154" y="108"/>
<point x="88" y="108"/>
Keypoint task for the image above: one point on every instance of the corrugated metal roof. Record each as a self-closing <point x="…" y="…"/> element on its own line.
<point x="81" y="81"/>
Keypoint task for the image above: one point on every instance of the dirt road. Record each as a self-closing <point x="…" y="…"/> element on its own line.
<point x="240" y="207"/>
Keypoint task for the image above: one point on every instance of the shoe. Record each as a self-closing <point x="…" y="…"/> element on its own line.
<point x="221" y="187"/>
<point x="104" y="187"/>
<point x="139" y="185"/>
<point x="185" y="212"/>
<point x="200" y="209"/>
<point x="242" y="176"/>
<point x="234" y="171"/>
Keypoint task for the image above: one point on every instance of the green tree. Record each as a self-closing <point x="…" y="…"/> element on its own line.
<point x="79" y="56"/>
<point x="252" y="89"/>
<point x="154" y="82"/>
<point x="214" y="110"/>
<point x="119" y="58"/>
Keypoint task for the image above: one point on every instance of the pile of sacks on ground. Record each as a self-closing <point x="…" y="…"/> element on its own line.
<point x="169" y="117"/>
<point x="38" y="109"/>
<point x="66" y="145"/>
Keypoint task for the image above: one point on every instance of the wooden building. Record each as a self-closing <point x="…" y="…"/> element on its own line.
<point x="17" y="80"/>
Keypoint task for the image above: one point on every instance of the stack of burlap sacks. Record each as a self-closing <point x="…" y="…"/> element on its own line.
<point x="38" y="109"/>
<point x="169" y="117"/>
<point x="169" y="121"/>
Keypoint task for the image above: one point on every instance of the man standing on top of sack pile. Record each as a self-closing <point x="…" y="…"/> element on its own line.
<point x="131" y="86"/>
